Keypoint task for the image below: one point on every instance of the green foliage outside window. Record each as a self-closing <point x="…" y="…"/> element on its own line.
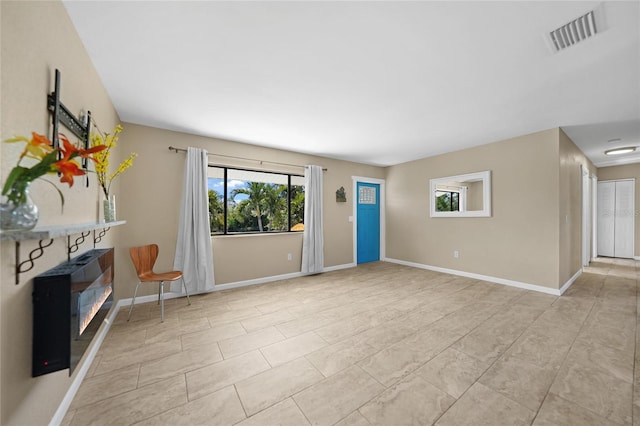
<point x="447" y="201"/>
<point x="256" y="206"/>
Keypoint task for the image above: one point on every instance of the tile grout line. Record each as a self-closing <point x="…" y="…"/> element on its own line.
<point x="595" y="302"/>
<point x="477" y="381"/>
<point x="235" y="388"/>
<point x="564" y="359"/>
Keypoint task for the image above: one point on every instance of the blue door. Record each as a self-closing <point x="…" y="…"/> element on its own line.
<point x="368" y="220"/>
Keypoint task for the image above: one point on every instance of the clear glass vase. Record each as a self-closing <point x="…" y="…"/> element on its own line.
<point x="21" y="215"/>
<point x="109" y="208"/>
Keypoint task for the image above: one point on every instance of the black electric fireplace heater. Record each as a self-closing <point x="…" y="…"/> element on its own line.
<point x="70" y="303"/>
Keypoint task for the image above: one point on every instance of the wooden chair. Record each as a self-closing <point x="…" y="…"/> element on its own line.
<point x="143" y="260"/>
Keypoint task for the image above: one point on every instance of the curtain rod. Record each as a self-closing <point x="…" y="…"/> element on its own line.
<point x="173" y="148"/>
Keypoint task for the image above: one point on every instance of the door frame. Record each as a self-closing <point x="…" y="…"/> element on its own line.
<point x="586" y="193"/>
<point x="633" y="210"/>
<point x="380" y="182"/>
<point x="633" y="222"/>
<point x="594" y="217"/>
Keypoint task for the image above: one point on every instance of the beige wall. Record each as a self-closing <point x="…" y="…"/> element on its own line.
<point x="36" y="38"/>
<point x="153" y="187"/>
<point x="518" y="242"/>
<point x="626" y="171"/>
<point x="570" y="213"/>
<point x="247" y="257"/>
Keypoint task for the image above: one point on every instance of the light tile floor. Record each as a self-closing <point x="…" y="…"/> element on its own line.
<point x="380" y="344"/>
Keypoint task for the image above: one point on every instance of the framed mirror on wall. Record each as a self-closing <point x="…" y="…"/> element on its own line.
<point x="467" y="195"/>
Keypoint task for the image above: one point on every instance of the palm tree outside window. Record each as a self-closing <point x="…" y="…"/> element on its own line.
<point x="247" y="201"/>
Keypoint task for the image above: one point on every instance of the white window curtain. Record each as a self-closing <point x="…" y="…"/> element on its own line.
<point x="312" y="240"/>
<point x="194" y="255"/>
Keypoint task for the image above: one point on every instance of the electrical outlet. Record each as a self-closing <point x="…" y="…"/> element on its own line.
<point x="289" y="257"/>
<point x="456" y="254"/>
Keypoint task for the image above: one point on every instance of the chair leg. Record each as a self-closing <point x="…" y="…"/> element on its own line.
<point x="185" y="290"/>
<point x="135" y="292"/>
<point x="161" y="290"/>
<point x="159" y="286"/>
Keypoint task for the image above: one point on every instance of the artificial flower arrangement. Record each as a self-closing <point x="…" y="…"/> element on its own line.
<point x="101" y="159"/>
<point x="50" y="160"/>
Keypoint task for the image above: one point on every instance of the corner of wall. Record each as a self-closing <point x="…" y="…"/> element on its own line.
<point x="570" y="216"/>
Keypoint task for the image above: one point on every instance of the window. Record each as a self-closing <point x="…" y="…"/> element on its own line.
<point x="242" y="201"/>
<point x="447" y="201"/>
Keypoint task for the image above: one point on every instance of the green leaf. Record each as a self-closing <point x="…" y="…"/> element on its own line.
<point x="59" y="192"/>
<point x="13" y="177"/>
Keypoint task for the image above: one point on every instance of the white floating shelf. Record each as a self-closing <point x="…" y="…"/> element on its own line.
<point x="49" y="232"/>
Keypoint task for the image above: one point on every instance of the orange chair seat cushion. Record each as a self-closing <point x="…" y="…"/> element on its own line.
<point x="164" y="276"/>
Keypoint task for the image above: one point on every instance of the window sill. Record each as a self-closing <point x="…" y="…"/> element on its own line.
<point x="255" y="234"/>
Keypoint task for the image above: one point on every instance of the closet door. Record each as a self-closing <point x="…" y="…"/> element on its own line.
<point x="623" y="244"/>
<point x="606" y="218"/>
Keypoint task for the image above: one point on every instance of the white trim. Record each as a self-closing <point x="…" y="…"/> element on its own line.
<point x="594" y="216"/>
<point x="264" y="280"/>
<point x="633" y="222"/>
<point x="383" y="204"/>
<point x="510" y="283"/>
<point x="619" y="180"/>
<point x="86" y="362"/>
<point x="636" y="257"/>
<point x="255" y="281"/>
<point x="584" y="225"/>
<point x="339" y="267"/>
<point x="235" y="284"/>
<point x="154" y="297"/>
<point x="570" y="281"/>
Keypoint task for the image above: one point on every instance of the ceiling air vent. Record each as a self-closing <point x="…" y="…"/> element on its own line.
<point x="575" y="31"/>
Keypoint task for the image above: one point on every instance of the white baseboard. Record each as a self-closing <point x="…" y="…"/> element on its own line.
<point x="227" y="286"/>
<point x="594" y="259"/>
<point x="237" y="284"/>
<point x="84" y="365"/>
<point x="264" y="280"/>
<point x="503" y="281"/>
<point x="339" y="267"/>
<point x="571" y="280"/>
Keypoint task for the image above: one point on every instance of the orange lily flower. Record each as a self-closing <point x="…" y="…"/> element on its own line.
<point x="68" y="169"/>
<point x="36" y="148"/>
<point x="68" y="149"/>
<point x="86" y="153"/>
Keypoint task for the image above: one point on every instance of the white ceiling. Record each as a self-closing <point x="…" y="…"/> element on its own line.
<point x="373" y="82"/>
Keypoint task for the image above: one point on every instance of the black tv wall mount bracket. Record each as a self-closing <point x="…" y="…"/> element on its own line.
<point x="60" y="114"/>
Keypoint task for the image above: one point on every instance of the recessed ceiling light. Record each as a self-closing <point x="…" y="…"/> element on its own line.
<point x="618" y="151"/>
